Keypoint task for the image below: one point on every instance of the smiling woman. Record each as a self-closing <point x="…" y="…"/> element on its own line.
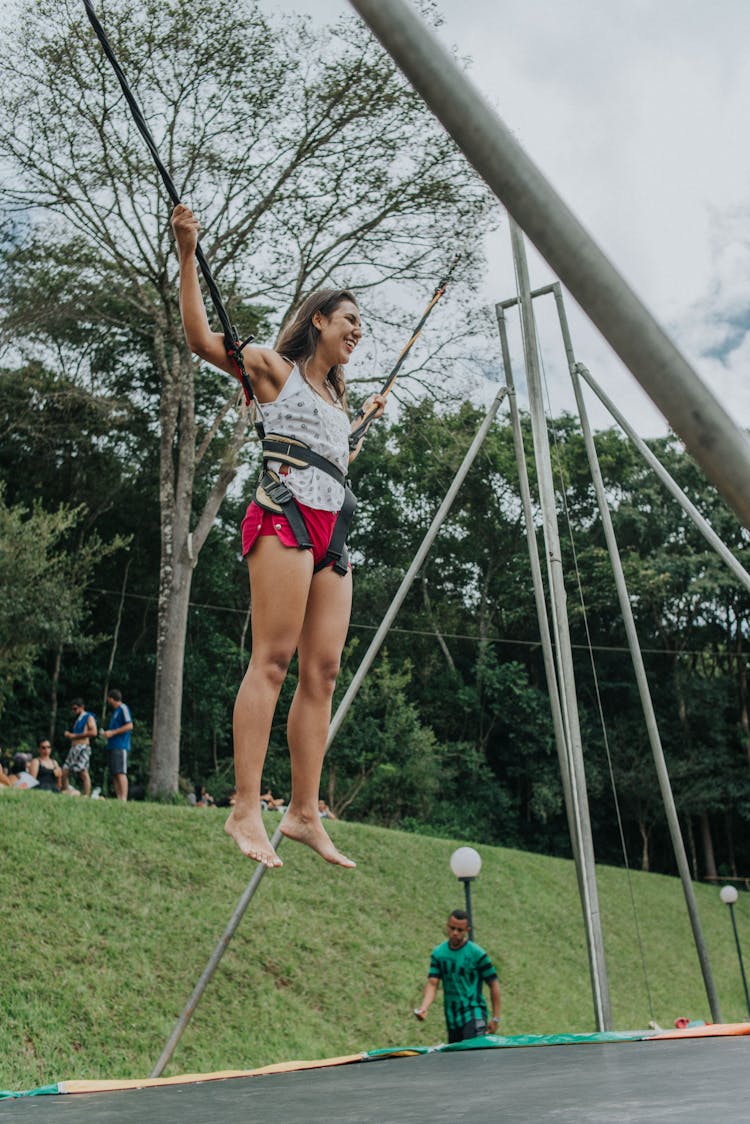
<point x="292" y="537"/>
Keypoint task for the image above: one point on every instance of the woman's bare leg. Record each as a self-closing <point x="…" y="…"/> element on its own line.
<point x="279" y="581"/>
<point x="320" y="645"/>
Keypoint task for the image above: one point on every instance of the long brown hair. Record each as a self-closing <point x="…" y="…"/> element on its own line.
<point x="299" y="338"/>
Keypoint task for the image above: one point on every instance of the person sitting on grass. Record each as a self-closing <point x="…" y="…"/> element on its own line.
<point x="270" y="803"/>
<point x="44" y="767"/>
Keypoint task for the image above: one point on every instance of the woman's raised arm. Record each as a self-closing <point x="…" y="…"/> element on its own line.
<point x="266" y="369"/>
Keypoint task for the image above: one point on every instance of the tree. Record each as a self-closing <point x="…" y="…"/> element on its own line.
<point x="44" y="585"/>
<point x="319" y="166"/>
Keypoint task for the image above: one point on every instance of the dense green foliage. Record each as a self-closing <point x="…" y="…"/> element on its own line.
<point x="122" y="905"/>
<point x="451" y="732"/>
<point x="124" y="466"/>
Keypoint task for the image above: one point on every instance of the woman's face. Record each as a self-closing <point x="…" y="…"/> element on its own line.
<point x="44" y="749"/>
<point x="340" y="332"/>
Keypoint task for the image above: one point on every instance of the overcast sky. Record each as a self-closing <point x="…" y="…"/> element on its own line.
<point x="637" y="112"/>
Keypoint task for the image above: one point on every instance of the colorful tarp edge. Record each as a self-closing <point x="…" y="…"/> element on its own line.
<point x="490" y="1041"/>
<point x="493" y="1041"/>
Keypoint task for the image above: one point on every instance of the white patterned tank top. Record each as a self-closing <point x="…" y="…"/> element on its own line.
<point x="300" y="412"/>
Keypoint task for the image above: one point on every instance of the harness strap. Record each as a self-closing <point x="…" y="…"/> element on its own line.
<point x="272" y="494"/>
<point x="232" y="341"/>
<point x="337" y="552"/>
<point x="296" y="453"/>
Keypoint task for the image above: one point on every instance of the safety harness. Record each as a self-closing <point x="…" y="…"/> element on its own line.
<point x="272" y="494"/>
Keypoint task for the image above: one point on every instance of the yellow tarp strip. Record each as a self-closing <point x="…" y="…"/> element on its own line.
<point x="710" y="1030"/>
<point x="187" y="1078"/>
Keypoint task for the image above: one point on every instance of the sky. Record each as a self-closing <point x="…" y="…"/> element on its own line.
<point x="637" y="112"/>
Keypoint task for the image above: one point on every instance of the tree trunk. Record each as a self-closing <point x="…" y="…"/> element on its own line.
<point x="176" y="478"/>
<point x="692" y="847"/>
<point x="180" y="547"/>
<point x="728" y="824"/>
<point x="53" y="692"/>
<point x="742" y="683"/>
<point x="115" y="638"/>
<point x="643" y="829"/>
<point x="170" y="655"/>
<point x="709" y="861"/>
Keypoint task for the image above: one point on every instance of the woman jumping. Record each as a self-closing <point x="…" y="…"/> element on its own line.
<point x="300" y="602"/>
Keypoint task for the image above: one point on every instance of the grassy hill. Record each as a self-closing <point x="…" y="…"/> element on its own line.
<point x="111" y="911"/>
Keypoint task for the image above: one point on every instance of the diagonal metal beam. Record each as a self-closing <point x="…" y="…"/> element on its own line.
<point x="720" y="447"/>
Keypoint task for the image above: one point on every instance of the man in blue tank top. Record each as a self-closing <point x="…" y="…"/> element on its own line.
<point x="118" y="743"/>
<point x="463" y="968"/>
<point x="79" y="754"/>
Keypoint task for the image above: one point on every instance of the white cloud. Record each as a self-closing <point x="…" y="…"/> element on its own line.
<point x="637" y="113"/>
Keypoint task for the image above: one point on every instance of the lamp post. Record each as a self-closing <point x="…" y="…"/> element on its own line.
<point x="728" y="895"/>
<point x="466" y="864"/>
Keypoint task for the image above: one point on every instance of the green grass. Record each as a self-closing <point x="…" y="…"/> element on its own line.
<point x="111" y="911"/>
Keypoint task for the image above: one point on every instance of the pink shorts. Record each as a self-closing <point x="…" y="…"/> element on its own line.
<point x="259" y="522"/>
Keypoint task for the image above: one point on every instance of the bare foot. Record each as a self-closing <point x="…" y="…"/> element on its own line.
<point x="312" y="833"/>
<point x="248" y="832"/>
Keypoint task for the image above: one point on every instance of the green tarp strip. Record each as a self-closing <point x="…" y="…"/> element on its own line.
<point x="490" y="1041"/>
<point x="42" y="1091"/>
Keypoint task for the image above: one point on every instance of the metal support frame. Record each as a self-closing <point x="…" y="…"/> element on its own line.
<point x="720" y="447"/>
<point x="336" y="722"/>
<point x="564" y="652"/>
<point x="216" y="955"/>
<point x="667" y="480"/>
<point x="644" y="692"/>
<point x="548" y="652"/>
<point x="416" y="565"/>
<point x="739" y="956"/>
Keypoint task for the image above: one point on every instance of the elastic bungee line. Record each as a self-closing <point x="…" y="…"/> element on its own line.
<point x="360" y="432"/>
<point x="272" y="493"/>
<point x="232" y="341"/>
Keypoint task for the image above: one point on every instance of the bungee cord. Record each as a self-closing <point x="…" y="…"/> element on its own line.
<point x="360" y="432"/>
<point x="232" y="341"/>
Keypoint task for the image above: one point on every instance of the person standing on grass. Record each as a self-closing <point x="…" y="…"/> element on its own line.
<point x="118" y="743"/>
<point x="300" y="602"/>
<point x="463" y="968"/>
<point x="79" y="754"/>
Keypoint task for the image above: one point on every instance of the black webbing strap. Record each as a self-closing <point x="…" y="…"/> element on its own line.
<point x="337" y="552"/>
<point x="290" y="451"/>
<point x="273" y="495"/>
<point x="231" y="338"/>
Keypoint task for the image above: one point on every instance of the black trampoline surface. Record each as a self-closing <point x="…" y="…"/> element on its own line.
<point x="691" y="1080"/>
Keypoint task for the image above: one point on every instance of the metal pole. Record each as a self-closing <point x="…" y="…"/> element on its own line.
<point x="511" y="302"/>
<point x="667" y="480"/>
<point x="214" y="959"/>
<point x="720" y="447"/>
<point x="739" y="955"/>
<point x="411" y="573"/>
<point x="467" y="895"/>
<point x="539" y="594"/>
<point x="566" y="675"/>
<point x="640" y="675"/>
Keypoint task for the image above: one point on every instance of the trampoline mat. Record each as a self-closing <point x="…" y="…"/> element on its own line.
<point x="673" y="1080"/>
